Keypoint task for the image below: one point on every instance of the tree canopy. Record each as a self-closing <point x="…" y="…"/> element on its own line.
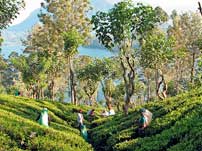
<point x="9" y="10"/>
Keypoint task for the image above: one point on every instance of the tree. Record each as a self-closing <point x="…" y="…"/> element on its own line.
<point x="11" y="76"/>
<point x="156" y="51"/>
<point x="181" y="53"/>
<point x="89" y="80"/>
<point x="32" y="68"/>
<point x="187" y="30"/>
<point x="99" y="71"/>
<point x="200" y="9"/>
<point x="79" y="63"/>
<point x="120" y="28"/>
<point x="44" y="40"/>
<point x="9" y="10"/>
<point x="72" y="40"/>
<point x="118" y="95"/>
<point x="108" y="88"/>
<point x="109" y="72"/>
<point x="3" y="64"/>
<point x="64" y="27"/>
<point x="69" y="21"/>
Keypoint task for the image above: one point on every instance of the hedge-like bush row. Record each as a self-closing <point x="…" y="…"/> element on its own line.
<point x="19" y="129"/>
<point x="119" y="133"/>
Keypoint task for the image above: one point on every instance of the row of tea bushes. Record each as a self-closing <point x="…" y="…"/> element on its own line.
<point x="119" y="133"/>
<point x="19" y="129"/>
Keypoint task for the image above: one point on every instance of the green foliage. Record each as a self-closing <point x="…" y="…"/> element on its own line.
<point x="187" y="30"/>
<point x="64" y="28"/>
<point x="99" y="69"/>
<point x="172" y="88"/>
<point x="176" y="123"/>
<point x="125" y="22"/>
<point x="2" y="89"/>
<point x="72" y="40"/>
<point x="19" y="129"/>
<point x="9" y="10"/>
<point x="156" y="49"/>
<point x="32" y="67"/>
<point x="119" y="91"/>
<point x="121" y="28"/>
<point x="1" y="40"/>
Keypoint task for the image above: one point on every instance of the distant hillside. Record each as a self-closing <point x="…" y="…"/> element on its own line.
<point x="99" y="5"/>
<point x="26" y="24"/>
<point x="14" y="34"/>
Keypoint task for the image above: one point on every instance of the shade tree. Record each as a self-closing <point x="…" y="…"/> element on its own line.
<point x="120" y="28"/>
<point x="156" y="51"/>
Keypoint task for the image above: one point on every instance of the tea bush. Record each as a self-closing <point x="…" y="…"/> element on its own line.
<point x="175" y="125"/>
<point x="19" y="129"/>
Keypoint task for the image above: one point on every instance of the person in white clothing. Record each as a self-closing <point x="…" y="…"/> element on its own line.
<point x="80" y="119"/>
<point x="43" y="118"/>
<point x="111" y="111"/>
<point x="144" y="121"/>
<point x="91" y="112"/>
<point x="104" y="113"/>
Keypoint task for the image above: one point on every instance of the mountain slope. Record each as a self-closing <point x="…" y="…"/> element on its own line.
<point x="27" y="24"/>
<point x="176" y="126"/>
<point x="20" y="131"/>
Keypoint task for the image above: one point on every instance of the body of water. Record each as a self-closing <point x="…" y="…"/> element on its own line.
<point x="6" y="50"/>
<point x="92" y="52"/>
<point x="95" y="52"/>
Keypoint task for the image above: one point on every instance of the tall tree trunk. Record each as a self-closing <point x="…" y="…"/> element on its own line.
<point x="118" y="106"/>
<point x="162" y="95"/>
<point x="92" y="100"/>
<point x="129" y="77"/>
<point x="177" y="76"/>
<point x="52" y="89"/>
<point x="72" y="83"/>
<point x="148" y="90"/>
<point x="156" y="81"/>
<point x="107" y="97"/>
<point x="200" y="9"/>
<point x="192" y="68"/>
<point x="42" y="93"/>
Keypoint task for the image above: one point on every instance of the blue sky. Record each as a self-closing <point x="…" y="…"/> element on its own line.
<point x="167" y="5"/>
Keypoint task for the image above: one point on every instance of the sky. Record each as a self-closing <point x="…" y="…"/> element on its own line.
<point x="31" y="5"/>
<point x="167" y="5"/>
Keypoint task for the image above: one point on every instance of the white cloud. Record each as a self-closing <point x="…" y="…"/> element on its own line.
<point x="113" y="1"/>
<point x="31" y="5"/>
<point x="169" y="5"/>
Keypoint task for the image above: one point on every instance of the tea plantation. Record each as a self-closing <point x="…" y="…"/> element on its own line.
<point x="20" y="131"/>
<point x="176" y="126"/>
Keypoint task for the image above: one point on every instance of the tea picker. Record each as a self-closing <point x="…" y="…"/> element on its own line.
<point x="43" y="119"/>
